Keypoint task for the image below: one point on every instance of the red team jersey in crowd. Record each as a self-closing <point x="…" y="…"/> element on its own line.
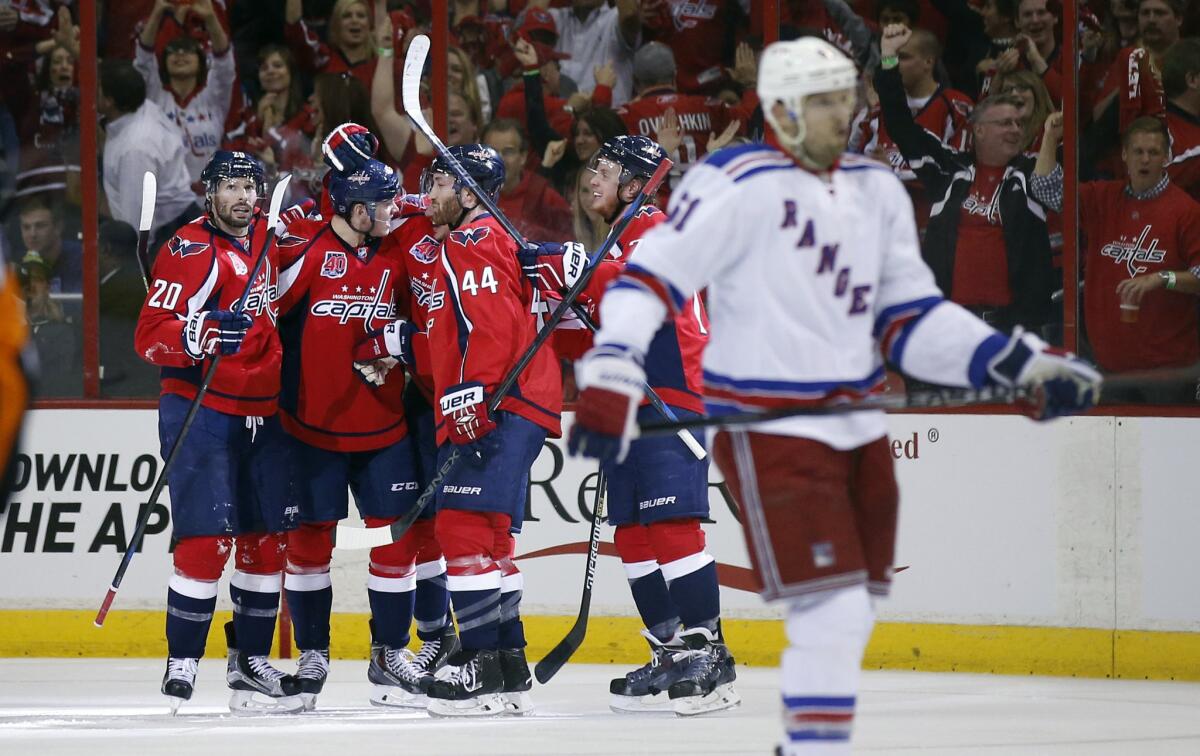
<point x="486" y="322"/>
<point x="202" y="268"/>
<point x="698" y="116"/>
<point x="331" y="295"/>
<point x="1130" y="238"/>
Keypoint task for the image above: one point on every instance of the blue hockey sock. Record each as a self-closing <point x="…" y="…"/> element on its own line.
<point x="478" y="613"/>
<point x="511" y="631"/>
<point x="652" y="599"/>
<point x="255" y="604"/>
<point x="432" y="607"/>
<point x="310" y="601"/>
<point x="392" y="613"/>
<point x="695" y="590"/>
<point x="190" y="605"/>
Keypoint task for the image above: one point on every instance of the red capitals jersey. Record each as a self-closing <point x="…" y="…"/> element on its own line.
<point x="487" y="322"/>
<point x="697" y="31"/>
<point x="414" y="251"/>
<point x="698" y="116"/>
<point x="1127" y="238"/>
<point x="202" y="268"/>
<point x="331" y="295"/>
<point x="673" y="363"/>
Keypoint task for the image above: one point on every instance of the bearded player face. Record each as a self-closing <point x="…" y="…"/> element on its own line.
<point x="444" y="206"/>
<point x="233" y="203"/>
<point x="827" y="118"/>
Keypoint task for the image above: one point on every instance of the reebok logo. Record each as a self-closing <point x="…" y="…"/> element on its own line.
<point x="463" y="490"/>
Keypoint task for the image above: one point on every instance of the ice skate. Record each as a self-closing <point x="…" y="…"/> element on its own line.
<point x="258" y="688"/>
<point x="475" y="690"/>
<point x="517" y="681"/>
<point x="312" y="671"/>
<point x="706" y="680"/>
<point x="179" y="681"/>
<point x="396" y="679"/>
<point x="645" y="688"/>
<point x="434" y="654"/>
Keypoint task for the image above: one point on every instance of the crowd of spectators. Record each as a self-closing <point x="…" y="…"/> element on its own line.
<point x="964" y="108"/>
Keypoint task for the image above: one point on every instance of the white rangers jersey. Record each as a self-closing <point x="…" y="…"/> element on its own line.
<point x="812" y="281"/>
<point x="201" y="117"/>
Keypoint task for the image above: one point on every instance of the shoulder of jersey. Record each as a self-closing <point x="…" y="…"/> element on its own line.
<point x="300" y="233"/>
<point x="191" y="239"/>
<point x="745" y="160"/>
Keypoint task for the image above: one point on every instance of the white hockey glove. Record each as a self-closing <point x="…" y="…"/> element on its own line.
<point x="1062" y="383"/>
<point x="214" y="332"/>
<point x="611" y="381"/>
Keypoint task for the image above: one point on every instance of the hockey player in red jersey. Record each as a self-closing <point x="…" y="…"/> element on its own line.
<point x="338" y="290"/>
<point x="807" y="302"/>
<point x="476" y="333"/>
<point x="659" y="494"/>
<point x="231" y="483"/>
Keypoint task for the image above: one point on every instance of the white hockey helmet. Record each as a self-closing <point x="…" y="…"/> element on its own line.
<point x="790" y="71"/>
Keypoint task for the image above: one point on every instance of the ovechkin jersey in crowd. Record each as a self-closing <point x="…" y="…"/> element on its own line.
<point x="201" y="268"/>
<point x="331" y="295"/>
<point x="484" y="324"/>
<point x="810" y="285"/>
<point x="673" y="364"/>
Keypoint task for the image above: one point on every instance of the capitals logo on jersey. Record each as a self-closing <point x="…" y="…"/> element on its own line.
<point x="334" y="265"/>
<point x="425" y="290"/>
<point x="184" y="248"/>
<point x="425" y="250"/>
<point x="1133" y="252"/>
<point x="470" y="236"/>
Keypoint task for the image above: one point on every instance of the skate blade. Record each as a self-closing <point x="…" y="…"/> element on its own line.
<point x="396" y="697"/>
<point x="175" y="703"/>
<point x="252" y="703"/>
<point x="518" y="704"/>
<point x="647" y="704"/>
<point x="487" y="705"/>
<point x="309" y="700"/>
<point x="723" y="697"/>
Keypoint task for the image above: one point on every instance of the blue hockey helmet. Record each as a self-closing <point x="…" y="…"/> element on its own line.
<point x="227" y="164"/>
<point x="638" y="156"/>
<point x="481" y="163"/>
<point x="371" y="184"/>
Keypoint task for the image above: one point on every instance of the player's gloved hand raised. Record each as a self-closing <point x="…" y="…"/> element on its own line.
<point x="468" y="420"/>
<point x="348" y="147"/>
<point x="378" y="353"/>
<point x="553" y="266"/>
<point x="298" y="211"/>
<point x="215" y="332"/>
<point x="611" y="381"/>
<point x="1062" y="383"/>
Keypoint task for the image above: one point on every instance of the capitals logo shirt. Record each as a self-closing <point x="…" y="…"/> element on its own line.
<point x="202" y="268"/>
<point x="1128" y="238"/>
<point x="331" y="296"/>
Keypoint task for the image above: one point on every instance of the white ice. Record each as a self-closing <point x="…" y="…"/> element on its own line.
<point x="112" y="706"/>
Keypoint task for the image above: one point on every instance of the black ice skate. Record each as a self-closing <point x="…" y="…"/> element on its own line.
<point x="706" y="681"/>
<point x="258" y="688"/>
<point x="476" y="689"/>
<point x="517" y="680"/>
<point x="312" y="671"/>
<point x="435" y="653"/>
<point x="179" y="681"/>
<point x="645" y="688"/>
<point x="396" y="679"/>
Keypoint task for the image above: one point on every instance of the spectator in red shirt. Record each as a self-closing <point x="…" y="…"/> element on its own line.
<point x="701" y="34"/>
<point x="541" y="60"/>
<point x="1142" y="260"/>
<point x="1159" y="25"/>
<point x="1037" y="43"/>
<point x="349" y="49"/>
<point x="539" y="212"/>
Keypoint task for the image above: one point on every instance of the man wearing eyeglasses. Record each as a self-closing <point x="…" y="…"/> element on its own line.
<point x="986" y="240"/>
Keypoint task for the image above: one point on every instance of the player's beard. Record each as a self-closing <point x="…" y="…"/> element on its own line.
<point x="445" y="212"/>
<point x="235" y="216"/>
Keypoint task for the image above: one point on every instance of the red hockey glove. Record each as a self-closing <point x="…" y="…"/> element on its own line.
<point x="611" y="381"/>
<point x="215" y="332"/>
<point x="468" y="421"/>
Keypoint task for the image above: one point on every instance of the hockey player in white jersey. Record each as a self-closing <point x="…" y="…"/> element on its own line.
<point x="818" y="282"/>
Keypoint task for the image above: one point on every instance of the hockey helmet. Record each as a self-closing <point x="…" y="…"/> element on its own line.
<point x="790" y="71"/>
<point x="371" y="184"/>
<point x="481" y="163"/>
<point x="638" y="156"/>
<point x="227" y="164"/>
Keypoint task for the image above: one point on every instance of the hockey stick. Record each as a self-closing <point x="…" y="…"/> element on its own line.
<point x="149" y="196"/>
<point x="558" y="656"/>
<point x="136" y="540"/>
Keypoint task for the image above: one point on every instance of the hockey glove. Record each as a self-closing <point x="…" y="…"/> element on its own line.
<point x="348" y="147"/>
<point x="1062" y="383"/>
<point x="393" y="340"/>
<point x="470" y="425"/>
<point x="611" y="380"/>
<point x="214" y="332"/>
<point x="552" y="266"/>
<point x="298" y="211"/>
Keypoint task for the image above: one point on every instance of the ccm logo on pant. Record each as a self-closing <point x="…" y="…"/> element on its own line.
<point x="410" y="485"/>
